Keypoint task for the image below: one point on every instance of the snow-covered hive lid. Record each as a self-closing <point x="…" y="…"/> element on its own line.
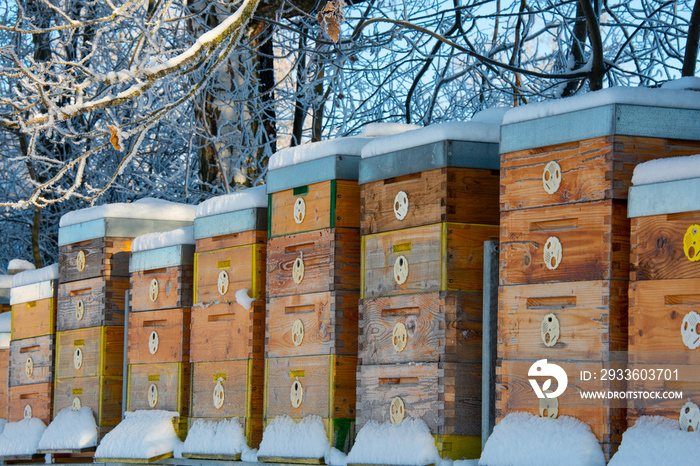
<point x="162" y="249"/>
<point x="33" y="285"/>
<point x="16" y="266"/>
<point x="665" y="186"/>
<point x="5" y="287"/>
<point x="672" y="111"/>
<point x="243" y="210"/>
<point x="469" y="144"/>
<point x="124" y="220"/>
<point x="333" y="159"/>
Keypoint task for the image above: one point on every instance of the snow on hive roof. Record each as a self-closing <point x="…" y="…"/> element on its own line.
<point x="406" y="443"/>
<point x="684" y="83"/>
<point x="286" y="438"/>
<point x="142" y="434"/>
<point x="655" y="440"/>
<point x="667" y="169"/>
<point x="665" y="97"/>
<point x="5" y="281"/>
<point x="521" y="438"/>
<point x="21" y="438"/>
<point x="6" y="322"/>
<point x="162" y="239"/>
<point x="240" y="200"/>
<point x="224" y="437"/>
<point x="28" y="277"/>
<point x="147" y="208"/>
<point x="70" y="430"/>
<point x="19" y="265"/>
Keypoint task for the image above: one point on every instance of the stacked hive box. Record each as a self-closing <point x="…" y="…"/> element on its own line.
<point x="564" y="257"/>
<point x="664" y="310"/>
<point x="5" y="335"/>
<point x="428" y="204"/>
<point x="33" y="299"/>
<point x="158" y="342"/>
<point x="313" y="281"/>
<point x="94" y="250"/>
<point x="226" y="340"/>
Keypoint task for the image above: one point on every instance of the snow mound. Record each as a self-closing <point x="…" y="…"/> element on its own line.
<point x="43" y="274"/>
<point x="19" y="265"/>
<point x="141" y="435"/>
<point x="524" y="439"/>
<point x="147" y="208"/>
<point x="493" y="116"/>
<point x="21" y="438"/>
<point x="655" y="440"/>
<point x="224" y="437"/>
<point x="244" y="199"/>
<point x="668" y="169"/>
<point x="6" y="322"/>
<point x="284" y="437"/>
<point x="689" y="83"/>
<point x="5" y="339"/>
<point x="162" y="239"/>
<point x="406" y="443"/>
<point x="375" y="130"/>
<point x="70" y="430"/>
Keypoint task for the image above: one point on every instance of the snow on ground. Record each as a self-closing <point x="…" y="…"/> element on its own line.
<point x="524" y="439"/>
<point x="240" y="200"/>
<point x="28" y="277"/>
<point x="142" y="434"/>
<point x="407" y="443"/>
<point x="147" y="208"/>
<point x="70" y="430"/>
<point x="224" y="437"/>
<point x="655" y="440"/>
<point x="162" y="239"/>
<point x="21" y="438"/>
<point x="667" y="169"/>
<point x="19" y="265"/>
<point x="284" y="437"/>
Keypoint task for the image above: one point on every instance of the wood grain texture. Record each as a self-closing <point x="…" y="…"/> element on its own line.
<point x="328" y="384"/>
<point x="223" y="332"/>
<point x="656" y="247"/>
<point x="329" y="319"/>
<point x="440" y="326"/>
<point x="331" y="259"/>
<point x="34" y="319"/>
<point x="102" y="394"/>
<point x="592" y="169"/>
<point x="232" y="240"/>
<point x="41" y="351"/>
<point x="242" y="381"/>
<point x="4" y="381"/>
<point x="333" y="203"/>
<point x="463" y="195"/>
<point x="245" y="266"/>
<point x="683" y="378"/>
<point x="38" y="396"/>
<point x="447" y="396"/>
<point x="172" y="381"/>
<point x="104" y="257"/>
<point x="175" y="288"/>
<point x="102" y="352"/>
<point x="441" y="257"/>
<point x="592" y="316"/>
<point x="173" y="329"/>
<point x="103" y="302"/>
<point x="594" y="240"/>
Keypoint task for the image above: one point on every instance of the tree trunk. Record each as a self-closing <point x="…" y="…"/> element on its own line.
<point x="691" y="46"/>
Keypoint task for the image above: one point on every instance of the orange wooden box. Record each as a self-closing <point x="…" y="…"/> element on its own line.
<point x="4" y="381"/>
<point x="102" y="394"/>
<point x="32" y="360"/>
<point x="450" y="194"/>
<point x="33" y="400"/>
<point x="312" y="324"/>
<point x="100" y="257"/>
<point x="683" y="379"/>
<point x="163" y="386"/>
<point x="315" y="261"/>
<point x="220" y="273"/>
<point x="159" y="336"/>
<point x="164" y="288"/>
<point x="34" y="318"/>
<point x="223" y="332"/>
<point x="95" y="302"/>
<point x="232" y="240"/>
<point x="90" y="352"/>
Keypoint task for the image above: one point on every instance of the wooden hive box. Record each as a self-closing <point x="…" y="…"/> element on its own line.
<point x="32" y="361"/>
<point x="102" y="394"/>
<point x="34" y="309"/>
<point x="162" y="278"/>
<point x="164" y="386"/>
<point x="227" y="331"/>
<point x="160" y="336"/>
<point x="94" y="302"/>
<point x="90" y="352"/>
<point x="4" y="381"/>
<point x="220" y="273"/>
<point x="35" y="400"/>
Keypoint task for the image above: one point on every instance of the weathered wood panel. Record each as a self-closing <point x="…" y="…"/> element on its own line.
<point x="90" y="352"/>
<point x="241" y="385"/>
<point x="4" y="381"/>
<point x="40" y="350"/>
<point x="172" y="329"/>
<point x="678" y="378"/>
<point x="334" y="203"/>
<point x="447" y="396"/>
<point x="172" y="387"/>
<point x="103" y="257"/>
<point x="439" y="327"/>
<point x="175" y="288"/>
<point x="244" y="266"/>
<point x="328" y="384"/>
<point x="222" y="332"/>
<point x="657" y="247"/>
<point x="463" y="195"/>
<point x="330" y="257"/>
<point x="591" y="170"/>
<point x="232" y="240"/>
<point x="329" y="322"/>
<point x="39" y="398"/>
<point x="34" y="319"/>
<point x="440" y="257"/>
<point x="91" y="303"/>
<point x="102" y="394"/>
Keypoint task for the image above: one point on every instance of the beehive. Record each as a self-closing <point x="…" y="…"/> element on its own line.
<point x="565" y="177"/>
<point x="5" y="335"/>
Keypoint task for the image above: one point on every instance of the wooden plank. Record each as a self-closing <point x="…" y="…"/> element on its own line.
<point x="4" y="381"/>
<point x="439" y="326"/>
<point x="245" y="266"/>
<point x="152" y="459"/>
<point x="102" y="303"/>
<point x="101" y="352"/>
<point x="175" y="288"/>
<point x="592" y="318"/>
<point x="102" y="394"/>
<point x="34" y="318"/>
<point x="290" y="460"/>
<point x="40" y="350"/>
<point x="232" y="240"/>
<point x="329" y="322"/>
<point x="227" y="331"/>
<point x="656" y="249"/>
<point x="39" y="398"/>
<point x="331" y="259"/>
<point x="104" y="257"/>
<point x="683" y="379"/>
<point x="172" y="327"/>
<point x="463" y="195"/>
<point x="242" y="383"/>
<point x="213" y="457"/>
<point x="172" y="382"/>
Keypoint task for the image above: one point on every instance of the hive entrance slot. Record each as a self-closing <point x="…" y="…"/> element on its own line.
<point x="401" y="311"/>
<point x="299" y="247"/>
<point x="29" y="349"/>
<point x="299" y="309"/>
<point x="682" y="299"/>
<point x="221" y="317"/>
<point x="555" y="225"/>
<point x="218" y="239"/>
<point x="398" y="179"/>
<point x="155" y="271"/>
<point x="29" y="396"/>
<point x="398" y="380"/>
<point x="155" y="323"/>
<point x="80" y="291"/>
<point x="550" y="302"/>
